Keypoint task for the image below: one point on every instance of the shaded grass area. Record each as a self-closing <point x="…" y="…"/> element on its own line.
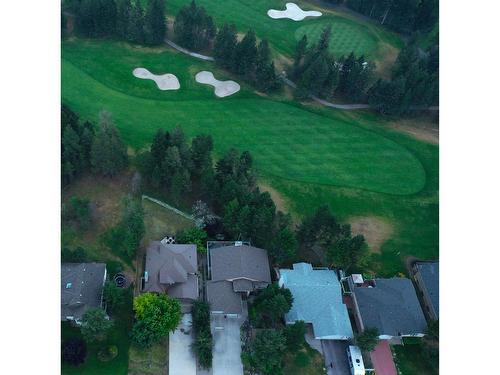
<point x="118" y="335"/>
<point x="348" y="33"/>
<point x="306" y="361"/>
<point x="161" y="222"/>
<point x="411" y="360"/>
<point x="285" y="139"/>
<point x="151" y="361"/>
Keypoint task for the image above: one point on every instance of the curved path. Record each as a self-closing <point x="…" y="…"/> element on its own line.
<point x="348" y="107"/>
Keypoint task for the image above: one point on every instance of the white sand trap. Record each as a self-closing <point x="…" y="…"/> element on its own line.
<point x="164" y="81"/>
<point x="222" y="88"/>
<point x="293" y="12"/>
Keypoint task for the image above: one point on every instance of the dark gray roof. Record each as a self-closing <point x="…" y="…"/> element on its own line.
<point x="222" y="298"/>
<point x="391" y="306"/>
<point x="186" y="290"/>
<point x="429" y="272"/>
<point x="167" y="265"/>
<point x="243" y="285"/>
<point x="233" y="262"/>
<point x="81" y="288"/>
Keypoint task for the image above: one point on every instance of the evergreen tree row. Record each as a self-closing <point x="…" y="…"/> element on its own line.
<point x="194" y="29"/>
<point x="249" y="60"/>
<point x="123" y="18"/>
<point x="85" y="149"/>
<point x="414" y="82"/>
<point x="318" y="73"/>
<point x="400" y="15"/>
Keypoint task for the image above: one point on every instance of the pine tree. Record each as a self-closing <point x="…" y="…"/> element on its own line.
<point x="300" y="52"/>
<point x="245" y="56"/>
<point x="109" y="153"/>
<point x="135" y="27"/>
<point x="123" y="14"/>
<point x="155" y="25"/>
<point x="225" y="43"/>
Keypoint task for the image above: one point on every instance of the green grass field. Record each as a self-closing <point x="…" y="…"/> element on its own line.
<point x="311" y="156"/>
<point x="348" y="34"/>
<point x="286" y="140"/>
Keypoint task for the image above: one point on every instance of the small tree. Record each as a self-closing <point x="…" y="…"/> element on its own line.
<point x="95" y="325"/>
<point x="294" y="335"/>
<point x="114" y="296"/>
<point x="368" y="340"/>
<point x="156" y="316"/>
<point x="78" y="211"/>
<point x="271" y="304"/>
<point x="74" y="351"/>
<point x="265" y="352"/>
<point x="194" y="236"/>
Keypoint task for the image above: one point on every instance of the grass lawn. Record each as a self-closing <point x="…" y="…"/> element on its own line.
<point x="118" y="336"/>
<point x="354" y="162"/>
<point x="348" y="33"/>
<point x="160" y="221"/>
<point x="285" y="139"/>
<point x="151" y="361"/>
<point x="306" y="361"/>
<point x="411" y="361"/>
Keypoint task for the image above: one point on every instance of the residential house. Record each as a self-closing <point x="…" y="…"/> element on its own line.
<point x="81" y="289"/>
<point x="317" y="299"/>
<point x="172" y="269"/>
<point x="235" y="272"/>
<point x="426" y="276"/>
<point x="390" y="305"/>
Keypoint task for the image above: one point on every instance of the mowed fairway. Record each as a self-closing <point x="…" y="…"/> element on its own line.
<point x="348" y="34"/>
<point x="285" y="140"/>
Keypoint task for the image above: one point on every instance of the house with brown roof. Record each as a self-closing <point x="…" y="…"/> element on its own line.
<point x="235" y="271"/>
<point x="172" y="269"/>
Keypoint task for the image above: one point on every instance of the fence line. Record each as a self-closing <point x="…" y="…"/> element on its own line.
<point x="169" y="207"/>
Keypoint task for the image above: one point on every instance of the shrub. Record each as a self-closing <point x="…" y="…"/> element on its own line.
<point x="107" y="353"/>
<point x="302" y="359"/>
<point x="74" y="351"/>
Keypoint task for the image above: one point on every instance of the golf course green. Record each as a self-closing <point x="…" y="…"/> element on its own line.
<point x="348" y="34"/>
<point x="285" y="139"/>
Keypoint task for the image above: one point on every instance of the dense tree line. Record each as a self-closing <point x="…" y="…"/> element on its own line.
<point x="323" y="234"/>
<point x="76" y="142"/>
<point x="194" y="28"/>
<point x="400" y="15"/>
<point x="249" y="60"/>
<point x="123" y="18"/>
<point x="318" y="73"/>
<point x="228" y="190"/>
<point x="414" y="82"/>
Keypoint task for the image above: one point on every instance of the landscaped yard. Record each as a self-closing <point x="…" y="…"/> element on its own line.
<point x="118" y="335"/>
<point x="411" y="360"/>
<point x="306" y="361"/>
<point x="151" y="361"/>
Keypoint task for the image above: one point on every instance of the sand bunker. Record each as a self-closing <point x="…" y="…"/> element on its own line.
<point x="222" y="88"/>
<point x="164" y="81"/>
<point x="292" y="12"/>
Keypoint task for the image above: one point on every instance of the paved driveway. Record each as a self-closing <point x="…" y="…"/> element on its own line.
<point x="382" y="359"/>
<point x="335" y="354"/>
<point x="181" y="358"/>
<point x="227" y="345"/>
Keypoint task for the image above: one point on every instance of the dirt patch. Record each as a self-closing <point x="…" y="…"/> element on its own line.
<point x="424" y="128"/>
<point x="375" y="230"/>
<point x="384" y="64"/>
<point x="278" y="199"/>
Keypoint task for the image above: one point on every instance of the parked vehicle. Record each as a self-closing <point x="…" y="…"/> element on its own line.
<point x="355" y="359"/>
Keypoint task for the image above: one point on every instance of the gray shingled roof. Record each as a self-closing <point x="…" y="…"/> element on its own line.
<point x="81" y="288"/>
<point x="169" y="267"/>
<point x="231" y="262"/>
<point x="429" y="272"/>
<point x="391" y="306"/>
<point x="221" y="296"/>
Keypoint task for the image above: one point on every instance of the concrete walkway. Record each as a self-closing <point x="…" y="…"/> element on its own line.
<point x="181" y="358"/>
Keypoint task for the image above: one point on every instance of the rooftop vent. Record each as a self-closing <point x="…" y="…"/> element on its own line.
<point x="69" y="285"/>
<point x="238" y="243"/>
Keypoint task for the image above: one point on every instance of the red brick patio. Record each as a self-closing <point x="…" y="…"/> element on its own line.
<point x="382" y="359"/>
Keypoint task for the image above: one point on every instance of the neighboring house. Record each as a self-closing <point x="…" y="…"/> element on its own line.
<point x="172" y="269"/>
<point x="317" y="299"/>
<point x="390" y="305"/>
<point x="235" y="272"/>
<point x="426" y="276"/>
<point x="81" y="289"/>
